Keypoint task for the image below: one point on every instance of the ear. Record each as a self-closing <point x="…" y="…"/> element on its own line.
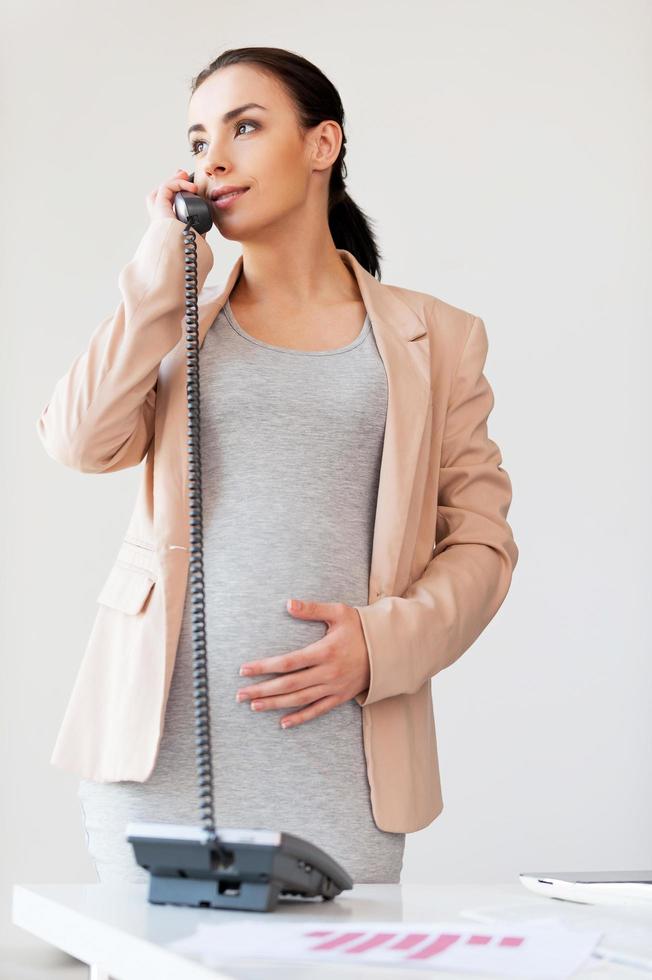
<point x="326" y="139"/>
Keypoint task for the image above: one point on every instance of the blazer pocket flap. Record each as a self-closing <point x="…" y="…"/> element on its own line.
<point x="126" y="589"/>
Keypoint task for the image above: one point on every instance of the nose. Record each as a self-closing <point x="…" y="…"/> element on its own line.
<point x="215" y="162"/>
<point x="210" y="169"/>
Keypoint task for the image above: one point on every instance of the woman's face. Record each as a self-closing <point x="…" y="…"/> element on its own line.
<point x="263" y="149"/>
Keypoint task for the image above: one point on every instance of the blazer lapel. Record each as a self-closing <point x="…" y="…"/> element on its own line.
<point x="403" y="344"/>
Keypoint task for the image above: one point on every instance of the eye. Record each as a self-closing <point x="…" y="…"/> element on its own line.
<point x="245" y="122"/>
<point x="242" y="122"/>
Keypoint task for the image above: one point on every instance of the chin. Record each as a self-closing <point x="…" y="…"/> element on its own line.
<point x="230" y="236"/>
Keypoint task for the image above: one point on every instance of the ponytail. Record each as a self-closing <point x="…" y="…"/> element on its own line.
<point x="350" y="228"/>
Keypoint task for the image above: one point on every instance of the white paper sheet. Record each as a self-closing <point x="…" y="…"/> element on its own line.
<point x="539" y="950"/>
<point x="627" y="931"/>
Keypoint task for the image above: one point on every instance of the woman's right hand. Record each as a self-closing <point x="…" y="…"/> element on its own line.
<point x="160" y="201"/>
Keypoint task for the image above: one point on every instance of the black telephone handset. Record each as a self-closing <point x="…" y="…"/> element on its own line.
<point x="193" y="208"/>
<point x="226" y="867"/>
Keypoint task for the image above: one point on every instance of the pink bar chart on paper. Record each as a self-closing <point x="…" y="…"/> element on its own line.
<point x="429" y="944"/>
<point x="539" y="950"/>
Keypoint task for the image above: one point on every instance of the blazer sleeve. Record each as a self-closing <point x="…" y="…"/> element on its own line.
<point x="100" y="416"/>
<point x="410" y="638"/>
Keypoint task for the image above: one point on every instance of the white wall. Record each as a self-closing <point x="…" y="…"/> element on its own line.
<point x="521" y="134"/>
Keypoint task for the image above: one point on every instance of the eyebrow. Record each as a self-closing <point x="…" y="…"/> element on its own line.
<point x="228" y="116"/>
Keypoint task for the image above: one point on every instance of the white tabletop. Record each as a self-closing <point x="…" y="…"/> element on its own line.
<point x="116" y="930"/>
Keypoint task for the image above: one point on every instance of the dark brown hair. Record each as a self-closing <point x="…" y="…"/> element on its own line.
<point x="316" y="99"/>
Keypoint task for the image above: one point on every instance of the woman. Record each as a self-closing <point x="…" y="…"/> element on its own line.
<point x="294" y="396"/>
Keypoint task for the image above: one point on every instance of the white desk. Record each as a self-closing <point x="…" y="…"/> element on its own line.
<point x="121" y="935"/>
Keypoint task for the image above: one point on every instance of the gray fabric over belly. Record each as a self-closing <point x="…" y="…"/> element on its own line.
<point x="291" y="452"/>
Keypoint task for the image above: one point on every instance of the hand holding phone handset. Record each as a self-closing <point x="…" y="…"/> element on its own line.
<point x="192" y="207"/>
<point x="236" y="868"/>
<point x="178" y="198"/>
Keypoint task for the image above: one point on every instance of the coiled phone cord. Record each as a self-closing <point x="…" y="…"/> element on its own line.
<point x="196" y="571"/>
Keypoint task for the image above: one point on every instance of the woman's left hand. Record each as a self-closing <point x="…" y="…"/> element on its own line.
<point x="322" y="675"/>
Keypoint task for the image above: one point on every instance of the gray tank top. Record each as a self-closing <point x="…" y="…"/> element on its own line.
<point x="291" y="451"/>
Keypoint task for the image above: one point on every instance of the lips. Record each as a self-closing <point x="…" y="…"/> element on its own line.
<point x="223" y="192"/>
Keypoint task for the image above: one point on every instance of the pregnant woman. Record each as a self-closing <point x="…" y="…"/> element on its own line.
<point x="294" y="405"/>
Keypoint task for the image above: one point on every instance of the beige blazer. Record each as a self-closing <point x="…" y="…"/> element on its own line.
<point x="443" y="552"/>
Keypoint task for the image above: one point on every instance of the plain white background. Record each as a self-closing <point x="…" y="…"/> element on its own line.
<point x="503" y="150"/>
